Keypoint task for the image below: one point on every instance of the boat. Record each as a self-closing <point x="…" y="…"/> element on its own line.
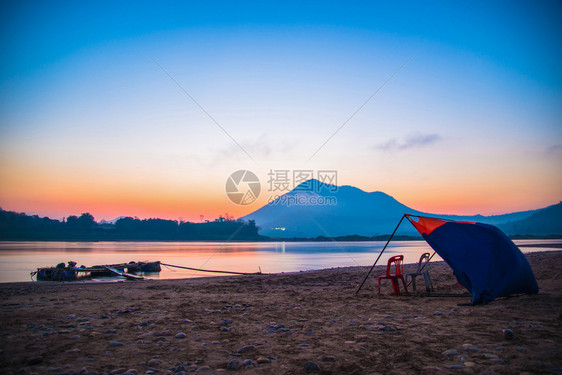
<point x="70" y="272"/>
<point x="148" y="267"/>
<point x="61" y="272"/>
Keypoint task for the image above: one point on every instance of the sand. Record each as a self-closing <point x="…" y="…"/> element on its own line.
<point x="280" y="324"/>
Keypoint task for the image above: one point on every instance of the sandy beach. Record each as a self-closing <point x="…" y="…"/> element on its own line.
<point x="280" y="324"/>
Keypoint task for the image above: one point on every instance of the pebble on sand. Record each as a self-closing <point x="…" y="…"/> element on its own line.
<point x="247" y="349"/>
<point x="310" y="366"/>
<point x="181" y="335"/>
<point x="450" y="352"/>
<point x="470" y="348"/>
<point x="263" y="360"/>
<point x="115" y="343"/>
<point x="508" y="334"/>
<point x="233" y="364"/>
<point x="35" y="360"/>
<point x="203" y="369"/>
<point x="154" y="363"/>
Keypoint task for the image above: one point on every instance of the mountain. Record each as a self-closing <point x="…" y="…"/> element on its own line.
<point x="542" y="223"/>
<point x="111" y="222"/>
<point x="315" y="209"/>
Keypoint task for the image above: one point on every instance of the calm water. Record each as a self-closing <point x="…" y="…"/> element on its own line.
<point x="18" y="259"/>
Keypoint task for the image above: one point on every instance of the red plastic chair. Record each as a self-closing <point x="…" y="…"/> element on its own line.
<point x="398" y="261"/>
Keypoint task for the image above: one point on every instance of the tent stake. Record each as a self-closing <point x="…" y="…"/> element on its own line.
<point x="382" y="251"/>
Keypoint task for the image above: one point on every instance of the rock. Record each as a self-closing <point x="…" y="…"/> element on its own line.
<point x="203" y="369"/>
<point x="508" y="334"/>
<point x="35" y="360"/>
<point x="490" y="356"/>
<point x="263" y="360"/>
<point x="115" y="343"/>
<point x="233" y="364"/>
<point x="181" y="335"/>
<point x="247" y="349"/>
<point x="118" y="371"/>
<point x="226" y="322"/>
<point x="303" y="345"/>
<point x="469" y="364"/>
<point x="450" y="352"/>
<point x="143" y="324"/>
<point x="470" y="348"/>
<point x="456" y="367"/>
<point x="438" y="313"/>
<point x="387" y="328"/>
<point x="225" y="329"/>
<point x="71" y="316"/>
<point x="310" y="366"/>
<point x="247" y="363"/>
<point x="154" y="363"/>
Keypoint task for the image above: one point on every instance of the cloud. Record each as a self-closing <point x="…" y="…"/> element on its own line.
<point x="412" y="141"/>
<point x="554" y="149"/>
<point x="260" y="148"/>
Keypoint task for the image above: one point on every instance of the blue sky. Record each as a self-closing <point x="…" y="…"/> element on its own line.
<point x="89" y="122"/>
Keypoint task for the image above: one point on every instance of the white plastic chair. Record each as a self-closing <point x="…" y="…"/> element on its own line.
<point x="423" y="269"/>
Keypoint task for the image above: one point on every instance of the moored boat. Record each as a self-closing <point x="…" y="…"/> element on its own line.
<point x="134" y="267"/>
<point x="70" y="272"/>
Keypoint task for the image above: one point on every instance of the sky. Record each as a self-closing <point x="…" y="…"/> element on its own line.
<point x="145" y="108"/>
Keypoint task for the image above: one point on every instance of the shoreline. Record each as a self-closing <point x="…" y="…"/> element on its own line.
<point x="279" y="323"/>
<point x="274" y="239"/>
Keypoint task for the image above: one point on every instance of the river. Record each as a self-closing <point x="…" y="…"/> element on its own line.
<point x="18" y="259"/>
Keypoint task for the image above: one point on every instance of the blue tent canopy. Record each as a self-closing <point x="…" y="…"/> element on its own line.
<point x="484" y="260"/>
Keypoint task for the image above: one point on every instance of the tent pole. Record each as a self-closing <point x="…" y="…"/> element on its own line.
<point x="382" y="251"/>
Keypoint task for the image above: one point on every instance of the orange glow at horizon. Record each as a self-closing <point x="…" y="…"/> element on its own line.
<point x="47" y="191"/>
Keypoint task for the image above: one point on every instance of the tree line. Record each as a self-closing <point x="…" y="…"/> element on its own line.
<point x="19" y="226"/>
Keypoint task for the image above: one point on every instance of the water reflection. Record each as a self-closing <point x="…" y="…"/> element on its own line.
<point x="18" y="259"/>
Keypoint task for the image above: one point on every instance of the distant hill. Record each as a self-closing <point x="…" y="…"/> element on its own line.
<point x="547" y="221"/>
<point x="347" y="211"/>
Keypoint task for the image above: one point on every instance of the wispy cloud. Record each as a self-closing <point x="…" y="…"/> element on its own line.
<point x="409" y="142"/>
<point x="554" y="149"/>
<point x="262" y="147"/>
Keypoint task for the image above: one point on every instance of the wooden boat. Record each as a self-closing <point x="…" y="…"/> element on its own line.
<point x="70" y="272"/>
<point x="135" y="267"/>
